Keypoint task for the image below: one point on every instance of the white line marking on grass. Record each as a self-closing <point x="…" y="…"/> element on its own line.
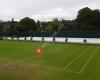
<point x="90" y="58"/>
<point x="62" y="69"/>
<point x="76" y="58"/>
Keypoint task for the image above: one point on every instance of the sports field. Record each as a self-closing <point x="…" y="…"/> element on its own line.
<point x="59" y="61"/>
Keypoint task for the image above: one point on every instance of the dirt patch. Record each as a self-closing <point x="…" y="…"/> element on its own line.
<point x="24" y="70"/>
<point x="13" y="66"/>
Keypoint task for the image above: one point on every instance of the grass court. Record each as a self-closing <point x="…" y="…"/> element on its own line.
<point x="59" y="61"/>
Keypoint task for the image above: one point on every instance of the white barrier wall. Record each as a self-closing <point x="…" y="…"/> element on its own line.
<point x="4" y="38"/>
<point x="76" y="40"/>
<point x="57" y="39"/>
<point x="48" y="39"/>
<point x="9" y="38"/>
<point x="93" y="40"/>
<point x="28" y="38"/>
<point x="21" y="38"/>
<point x="14" y="38"/>
<point x="60" y="39"/>
<point x="37" y="39"/>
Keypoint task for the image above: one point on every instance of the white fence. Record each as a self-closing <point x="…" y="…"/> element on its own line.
<point x="48" y="39"/>
<point x="57" y="39"/>
<point x="62" y="39"/>
<point x="36" y="38"/>
<point x="76" y="40"/>
<point x="21" y="38"/>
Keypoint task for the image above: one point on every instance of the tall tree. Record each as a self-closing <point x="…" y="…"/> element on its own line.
<point x="12" y="27"/>
<point x="88" y="19"/>
<point x="54" y="25"/>
<point x="83" y="18"/>
<point x="69" y="25"/>
<point x="38" y="25"/>
<point x="26" y="25"/>
<point x="96" y="19"/>
<point x="1" y="28"/>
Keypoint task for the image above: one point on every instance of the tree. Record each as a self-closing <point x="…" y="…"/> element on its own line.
<point x="12" y="27"/>
<point x="54" y="25"/>
<point x="26" y="25"/>
<point x="96" y="19"/>
<point x="38" y="25"/>
<point x="88" y="19"/>
<point x="83" y="18"/>
<point x="69" y="25"/>
<point x="1" y="28"/>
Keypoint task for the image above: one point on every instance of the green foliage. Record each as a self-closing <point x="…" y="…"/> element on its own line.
<point x="54" y="25"/>
<point x="26" y="25"/>
<point x="38" y="25"/>
<point x="88" y="19"/>
<point x="12" y="27"/>
<point x="1" y="28"/>
<point x="69" y="25"/>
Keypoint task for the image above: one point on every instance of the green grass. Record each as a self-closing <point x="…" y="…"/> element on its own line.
<point x="59" y="61"/>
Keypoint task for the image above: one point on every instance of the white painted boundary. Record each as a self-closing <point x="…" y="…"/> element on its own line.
<point x="90" y="58"/>
<point x="75" y="59"/>
<point x="82" y="69"/>
<point x="62" y="69"/>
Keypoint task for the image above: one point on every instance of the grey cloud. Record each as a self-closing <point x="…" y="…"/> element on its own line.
<point x="43" y="9"/>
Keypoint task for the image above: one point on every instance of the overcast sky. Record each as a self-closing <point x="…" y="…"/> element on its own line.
<point x="44" y="9"/>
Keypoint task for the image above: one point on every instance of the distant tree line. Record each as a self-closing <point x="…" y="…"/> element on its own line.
<point x="86" y="20"/>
